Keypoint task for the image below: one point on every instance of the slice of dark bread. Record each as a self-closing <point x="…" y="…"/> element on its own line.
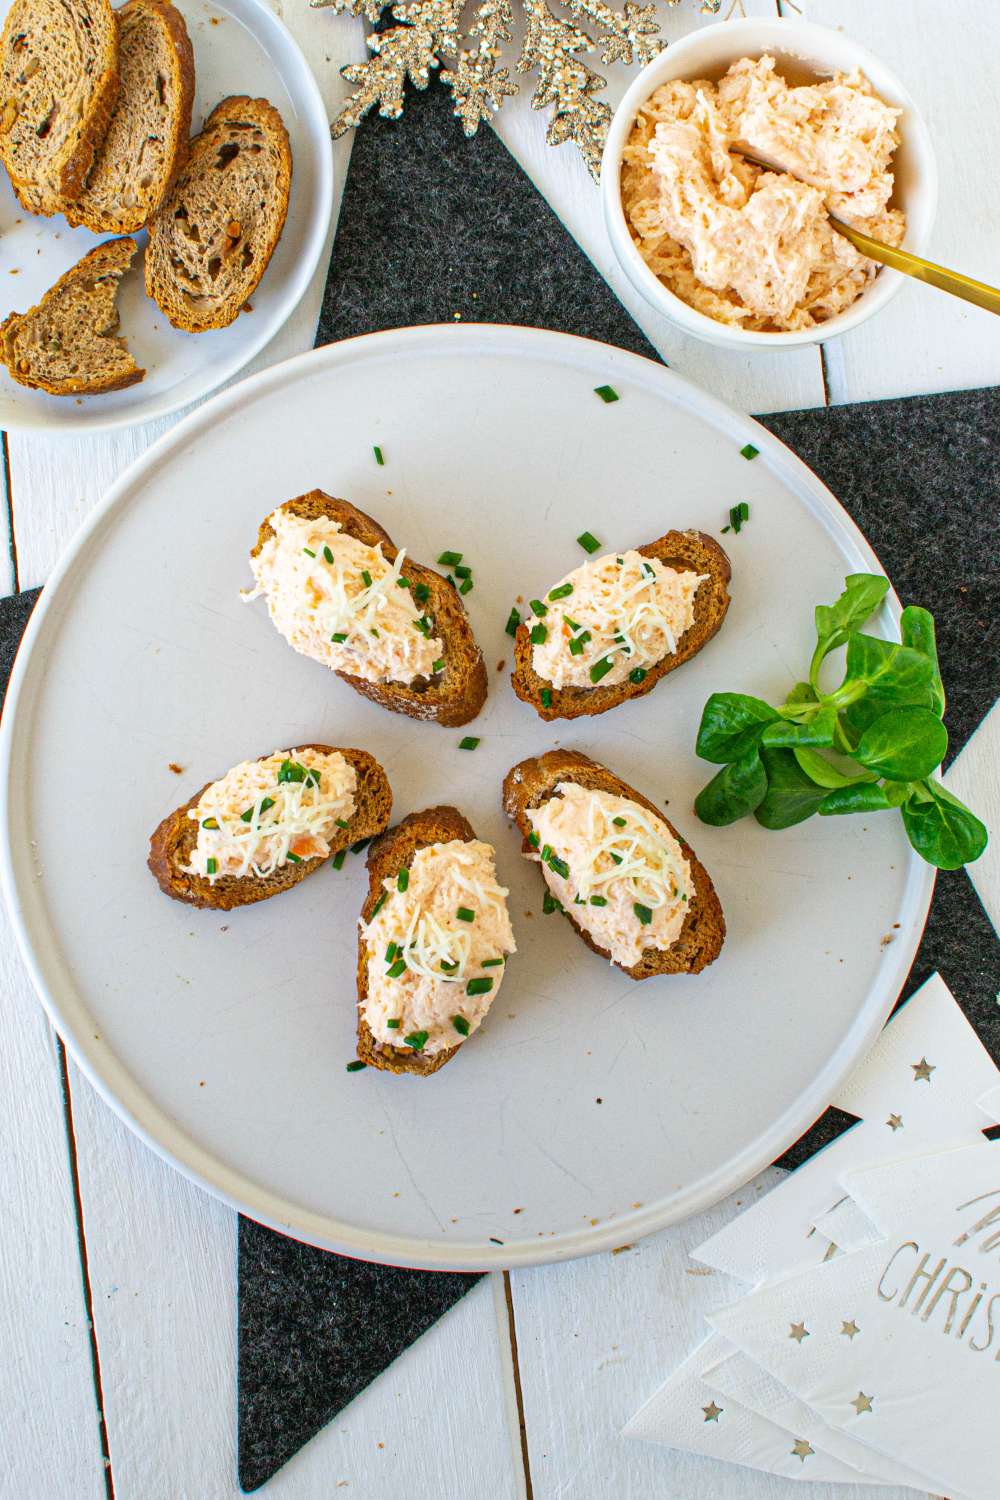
<point x="211" y="240"/>
<point x="454" y="695"/>
<point x="67" y="345"/>
<point x="147" y="140"/>
<point x="58" y="85"/>
<point x="173" y="841"/>
<point x="682" y="550"/>
<point x="532" y="782"/>
<point x="386" y="856"/>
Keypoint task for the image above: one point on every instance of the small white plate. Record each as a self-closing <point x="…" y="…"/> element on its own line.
<point x="240" y="47"/>
<point x="589" y="1110"/>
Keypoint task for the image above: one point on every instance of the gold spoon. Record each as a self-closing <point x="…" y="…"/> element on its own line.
<point x="900" y="260"/>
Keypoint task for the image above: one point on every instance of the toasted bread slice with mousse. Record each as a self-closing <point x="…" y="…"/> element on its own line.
<point x="147" y="140"/>
<point x="391" y="858"/>
<point x="679" y="551"/>
<point x="172" y="848"/>
<point x="68" y="344"/>
<point x="531" y="783"/>
<point x="429" y="619"/>
<point x="58" y="85"/>
<point x="212" y="238"/>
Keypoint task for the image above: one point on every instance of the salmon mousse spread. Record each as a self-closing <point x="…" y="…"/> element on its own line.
<point x="343" y="603"/>
<point x="264" y="814"/>
<point x="615" y="867"/>
<point x="750" y="247"/>
<point x="611" y="619"/>
<point x="436" y="945"/>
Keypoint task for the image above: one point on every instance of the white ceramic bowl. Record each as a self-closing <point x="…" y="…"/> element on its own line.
<point x="805" y="48"/>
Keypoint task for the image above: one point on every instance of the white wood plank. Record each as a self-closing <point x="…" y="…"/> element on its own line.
<point x="50" y="1417"/>
<point x="596" y="1337"/>
<point x="8" y="579"/>
<point x="758" y="382"/>
<point x="973" y="778"/>
<point x="926" y="340"/>
<point x="163" y="1271"/>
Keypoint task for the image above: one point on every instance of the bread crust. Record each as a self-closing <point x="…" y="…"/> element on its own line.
<point x="82" y="210"/>
<point x="682" y="550"/>
<point x="531" y="782"/>
<point x="175" y="837"/>
<point x="386" y="856"/>
<point x="113" y="257"/>
<point x="462" y="686"/>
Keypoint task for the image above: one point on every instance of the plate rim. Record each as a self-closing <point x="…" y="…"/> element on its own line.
<point x="316" y="117"/>
<point x="111" y="1077"/>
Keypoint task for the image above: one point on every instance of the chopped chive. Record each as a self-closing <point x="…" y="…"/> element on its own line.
<point x="466" y="586"/>
<point x="539" y="633"/>
<point x="390" y="952"/>
<point x="643" y="913"/>
<point x="492" y="963"/>
<point x="338" y="860"/>
<point x="560" y="866"/>
<point x="402" y="879"/>
<point x="538" y="607"/>
<point x="361" y="844"/>
<point x="620" y="561"/>
<point x="421" y="593"/>
<point x="294" y="858"/>
<point x="402" y="583"/>
<point x="448" y="968"/>
<point x="417" y="1040"/>
<point x="356" y="1066"/>
<point x="291" y="770"/>
<point x="601" y="668"/>
<point x="313" y="778"/>
<point x="395" y="1023"/>
<point x="366" y="578"/>
<point x="738" y="515"/>
<point x="468" y="742"/>
<point x="379" y="905"/>
<point x="550" y="904"/>
<point x="423" y="625"/>
<point x="598" y="901"/>
<point x="341" y="822"/>
<point x="449" y="559"/>
<point x="494" y="1240"/>
<point x="578" y="642"/>
<point x="437" y="666"/>
<point x="308" y="552"/>
<point x="616" y="857"/>
<point x="637" y="674"/>
<point x="327" y="555"/>
<point x="465" y="915"/>
<point x="607" y="393"/>
<point x="579" y="901"/>
<point x="513" y="621"/>
<point x="725" y="529"/>
<point x="210" y="823"/>
<point x="749" y="451"/>
<point x="461" y="1025"/>
<point x="618" y="822"/>
<point x="399" y="967"/>
<point x="379" y="458"/>
<point x="339" y="637"/>
<point x="374" y="631"/>
<point x="533" y="839"/>
<point x="546" y="696"/>
<point x="462" y="570"/>
<point x="212" y="866"/>
<point x="563" y="591"/>
<point x="479" y="986"/>
<point x="547" y="853"/>
<point x="589" y="542"/>
<point x="573" y="624"/>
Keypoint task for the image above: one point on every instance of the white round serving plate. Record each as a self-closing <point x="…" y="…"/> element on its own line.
<point x="240" y="47"/>
<point x="589" y="1110"/>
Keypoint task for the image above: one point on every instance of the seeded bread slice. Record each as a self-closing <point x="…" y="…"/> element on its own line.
<point x="67" y="345"/>
<point x="147" y="140"/>
<point x="386" y="857"/>
<point x="457" y="693"/>
<point x="58" y="84"/>
<point x="172" y="843"/>
<point x="533" y="781"/>
<point x="214" y="234"/>
<point x="682" y="550"/>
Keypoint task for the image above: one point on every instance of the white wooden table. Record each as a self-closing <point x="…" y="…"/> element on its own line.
<point x="118" y="1277"/>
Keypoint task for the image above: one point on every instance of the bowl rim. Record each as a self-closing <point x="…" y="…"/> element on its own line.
<point x="779" y="35"/>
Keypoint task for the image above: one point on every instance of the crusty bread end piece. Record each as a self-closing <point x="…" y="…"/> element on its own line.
<point x="682" y="550"/>
<point x="58" y="85"/>
<point x="146" y="144"/>
<point x="68" y="344"/>
<point x="173" y="841"/>
<point x="454" y="695"/>
<point x="211" y="240"/>
<point x="699" y="943"/>
<point x="386" y="856"/>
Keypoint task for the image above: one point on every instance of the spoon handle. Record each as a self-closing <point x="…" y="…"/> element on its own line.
<point x="923" y="270"/>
